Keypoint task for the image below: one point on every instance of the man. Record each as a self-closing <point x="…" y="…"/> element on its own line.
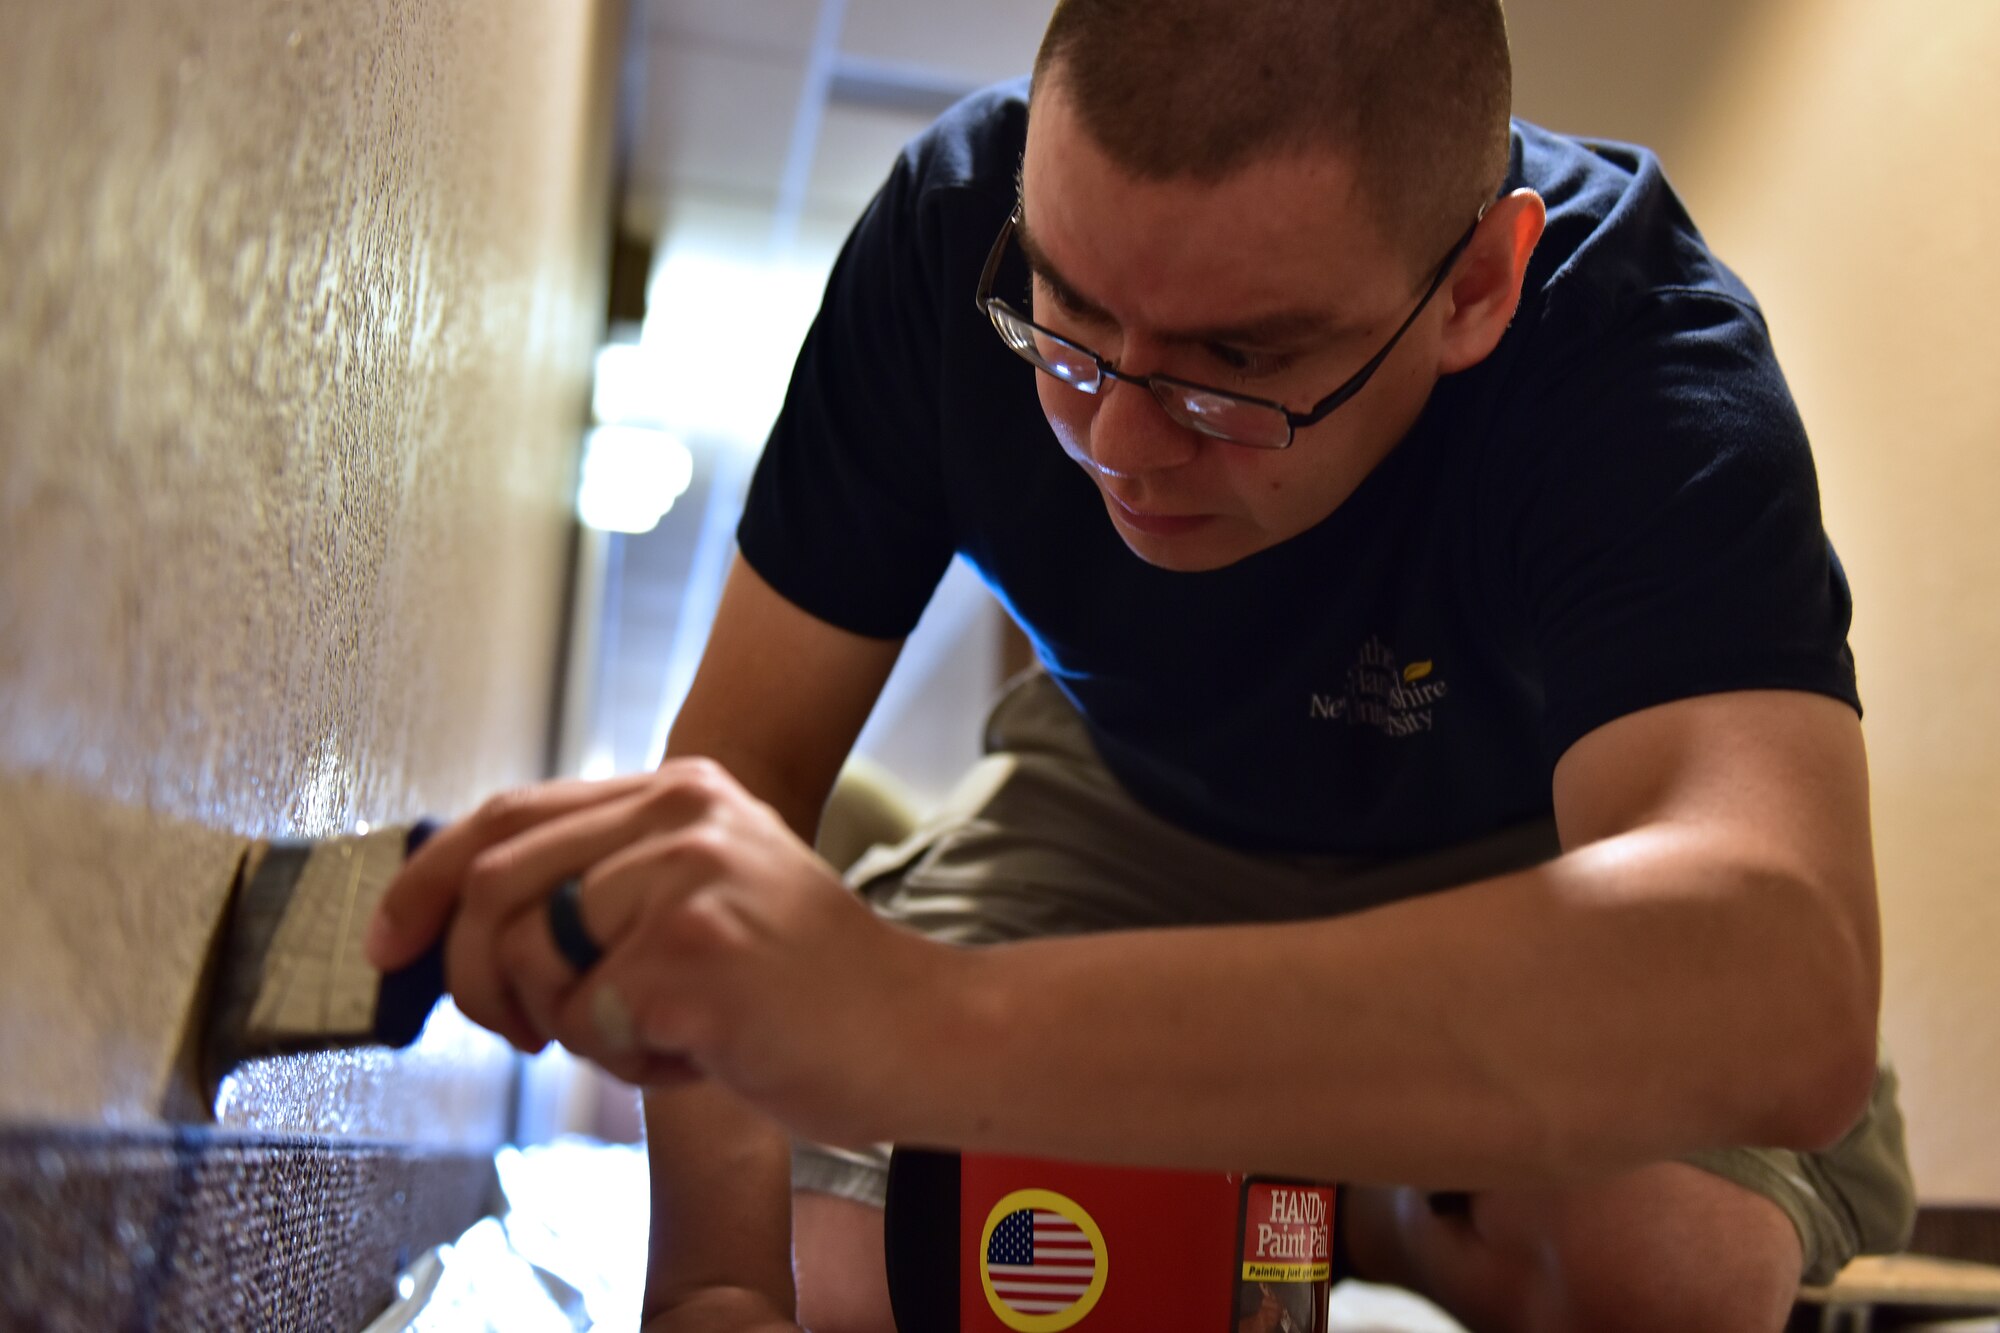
<point x="1439" y="631"/>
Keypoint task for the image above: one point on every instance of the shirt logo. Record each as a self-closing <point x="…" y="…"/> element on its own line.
<point x="1042" y="1261"/>
<point x="1382" y="693"/>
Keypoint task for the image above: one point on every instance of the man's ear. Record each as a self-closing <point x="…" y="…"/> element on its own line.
<point x="1482" y="295"/>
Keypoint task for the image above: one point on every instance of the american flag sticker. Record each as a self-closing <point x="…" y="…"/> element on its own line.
<point x="1042" y="1261"/>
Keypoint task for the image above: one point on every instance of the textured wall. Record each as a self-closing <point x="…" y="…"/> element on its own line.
<point x="296" y="314"/>
<point x="1841" y="155"/>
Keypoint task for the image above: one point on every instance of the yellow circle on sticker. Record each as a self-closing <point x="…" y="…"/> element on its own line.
<point x="1042" y="1261"/>
<point x="1417" y="671"/>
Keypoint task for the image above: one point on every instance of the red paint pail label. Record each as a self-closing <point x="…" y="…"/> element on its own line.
<point x="985" y="1243"/>
<point x="1285" y="1257"/>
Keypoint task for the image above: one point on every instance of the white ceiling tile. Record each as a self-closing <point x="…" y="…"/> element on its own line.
<point x="724" y="78"/>
<point x="777" y="25"/>
<point x="716" y="120"/>
<point x="857" y="147"/>
<point x="977" y="41"/>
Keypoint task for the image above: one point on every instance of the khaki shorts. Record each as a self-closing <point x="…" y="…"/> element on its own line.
<point x="1040" y="839"/>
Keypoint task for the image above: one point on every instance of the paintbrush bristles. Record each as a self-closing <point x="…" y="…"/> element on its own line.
<point x="316" y="979"/>
<point x="290" y="974"/>
<point x="256" y="907"/>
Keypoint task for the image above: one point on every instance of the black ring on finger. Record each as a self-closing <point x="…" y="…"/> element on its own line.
<point x="573" y="942"/>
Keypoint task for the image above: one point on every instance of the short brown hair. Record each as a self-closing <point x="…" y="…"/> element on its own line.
<point x="1416" y="93"/>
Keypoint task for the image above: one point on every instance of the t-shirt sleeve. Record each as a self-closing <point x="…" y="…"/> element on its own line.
<point x="1670" y="541"/>
<point x="846" y="516"/>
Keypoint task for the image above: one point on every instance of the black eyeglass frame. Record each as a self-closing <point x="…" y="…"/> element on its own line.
<point x="986" y="302"/>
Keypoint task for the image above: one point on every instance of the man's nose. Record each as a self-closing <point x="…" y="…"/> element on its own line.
<point x="1131" y="434"/>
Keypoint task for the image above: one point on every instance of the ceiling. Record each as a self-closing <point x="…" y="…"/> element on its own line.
<point x="793" y="110"/>
<point x="759" y="130"/>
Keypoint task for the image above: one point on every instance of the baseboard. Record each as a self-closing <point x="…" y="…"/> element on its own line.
<point x="167" y="1229"/>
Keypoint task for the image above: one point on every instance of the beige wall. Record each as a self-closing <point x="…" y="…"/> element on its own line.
<point x="1842" y="155"/>
<point x="294" y="330"/>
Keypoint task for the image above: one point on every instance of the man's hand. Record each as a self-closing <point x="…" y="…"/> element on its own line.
<point x="729" y="948"/>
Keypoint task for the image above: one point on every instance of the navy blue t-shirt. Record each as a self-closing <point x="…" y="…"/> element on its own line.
<point x="1614" y="510"/>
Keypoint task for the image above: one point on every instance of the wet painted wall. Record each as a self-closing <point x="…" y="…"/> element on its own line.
<point x="1840" y="154"/>
<point x="295" y="324"/>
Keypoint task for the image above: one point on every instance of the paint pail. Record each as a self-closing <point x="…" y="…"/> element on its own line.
<point x="981" y="1243"/>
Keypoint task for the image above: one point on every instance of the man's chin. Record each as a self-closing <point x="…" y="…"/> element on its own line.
<point x="1190" y="553"/>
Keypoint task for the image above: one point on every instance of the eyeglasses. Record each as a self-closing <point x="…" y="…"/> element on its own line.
<point x="1237" y="418"/>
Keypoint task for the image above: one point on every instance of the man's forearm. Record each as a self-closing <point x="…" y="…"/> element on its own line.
<point x="1647" y="995"/>
<point x="720" y="1169"/>
<point x="721" y="1198"/>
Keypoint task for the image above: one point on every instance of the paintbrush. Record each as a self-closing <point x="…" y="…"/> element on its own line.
<point x="287" y="972"/>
